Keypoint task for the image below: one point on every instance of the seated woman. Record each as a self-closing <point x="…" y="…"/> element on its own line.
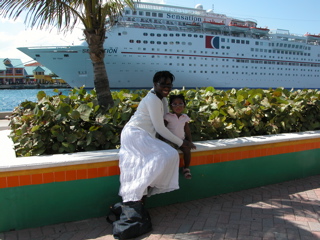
<point x="148" y="165"/>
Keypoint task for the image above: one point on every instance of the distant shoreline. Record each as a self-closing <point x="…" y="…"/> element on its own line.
<point x="34" y="86"/>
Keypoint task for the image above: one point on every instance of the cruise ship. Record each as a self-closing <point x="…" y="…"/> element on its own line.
<point x="200" y="47"/>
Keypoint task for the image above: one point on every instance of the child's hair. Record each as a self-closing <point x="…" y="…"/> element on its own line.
<point x="173" y="97"/>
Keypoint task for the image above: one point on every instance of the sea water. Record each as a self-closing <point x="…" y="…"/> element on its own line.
<point x="11" y="98"/>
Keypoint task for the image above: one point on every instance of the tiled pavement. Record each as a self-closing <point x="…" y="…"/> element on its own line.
<point x="289" y="210"/>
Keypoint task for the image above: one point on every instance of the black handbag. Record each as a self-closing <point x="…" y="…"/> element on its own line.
<point x="133" y="221"/>
<point x="114" y="212"/>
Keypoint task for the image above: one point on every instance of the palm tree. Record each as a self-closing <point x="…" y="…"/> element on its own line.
<point x="65" y="14"/>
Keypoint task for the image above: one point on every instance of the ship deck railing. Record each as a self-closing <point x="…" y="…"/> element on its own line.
<point x="273" y="35"/>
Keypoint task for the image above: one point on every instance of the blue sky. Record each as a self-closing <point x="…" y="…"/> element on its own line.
<point x="296" y="16"/>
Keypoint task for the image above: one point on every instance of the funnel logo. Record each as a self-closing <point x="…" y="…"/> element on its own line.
<point x="212" y="42"/>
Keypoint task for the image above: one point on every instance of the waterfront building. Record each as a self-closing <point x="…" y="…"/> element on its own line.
<point x="39" y="74"/>
<point x="11" y="71"/>
<point x="14" y="72"/>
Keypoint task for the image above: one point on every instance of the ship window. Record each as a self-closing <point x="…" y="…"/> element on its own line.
<point x="160" y="15"/>
<point x="66" y="55"/>
<point x="223" y="39"/>
<point x="140" y="13"/>
<point x="171" y="35"/>
<point x="257" y="43"/>
<point x="195" y="35"/>
<point x="171" y="43"/>
<point x="189" y="43"/>
<point x="37" y="55"/>
<point x="154" y="14"/>
<point x="138" y="41"/>
<point x="158" y="35"/>
<point x="134" y="12"/>
<point x="145" y="41"/>
<point x="238" y="41"/>
<point x="145" y="34"/>
<point x="127" y="12"/>
<point x="158" y="42"/>
<point x="247" y="42"/>
<point x="177" y="35"/>
<point x="189" y="35"/>
<point x="152" y="34"/>
<point x="165" y="43"/>
<point x="148" y="14"/>
<point x="165" y="35"/>
<point x="183" y="34"/>
<point x="177" y="42"/>
<point x="233" y="41"/>
<point x="151" y="42"/>
<point x="131" y="41"/>
<point x="200" y="36"/>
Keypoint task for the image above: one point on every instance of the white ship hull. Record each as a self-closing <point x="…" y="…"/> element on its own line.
<point x="197" y="57"/>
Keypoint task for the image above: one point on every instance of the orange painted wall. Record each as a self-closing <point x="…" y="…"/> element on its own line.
<point x="104" y="169"/>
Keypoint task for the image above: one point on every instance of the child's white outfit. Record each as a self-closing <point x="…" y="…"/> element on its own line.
<point x="176" y="124"/>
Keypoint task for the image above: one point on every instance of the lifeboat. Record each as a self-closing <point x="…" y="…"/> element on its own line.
<point x="312" y="36"/>
<point x="234" y="27"/>
<point x="193" y="25"/>
<point x="260" y="31"/>
<point x="213" y="25"/>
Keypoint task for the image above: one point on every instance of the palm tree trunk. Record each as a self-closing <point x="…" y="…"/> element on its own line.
<point x="101" y="84"/>
<point x="95" y="40"/>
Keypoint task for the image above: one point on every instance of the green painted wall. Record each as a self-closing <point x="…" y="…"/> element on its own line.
<point x="44" y="204"/>
<point x="39" y="205"/>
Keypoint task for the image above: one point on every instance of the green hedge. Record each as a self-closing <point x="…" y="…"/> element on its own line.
<point x="73" y="123"/>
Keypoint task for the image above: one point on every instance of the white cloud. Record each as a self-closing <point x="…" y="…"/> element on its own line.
<point x="11" y="40"/>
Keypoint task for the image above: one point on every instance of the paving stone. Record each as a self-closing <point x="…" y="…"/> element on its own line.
<point x="314" y="226"/>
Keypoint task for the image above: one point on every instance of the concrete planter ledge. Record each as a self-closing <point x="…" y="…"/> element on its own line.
<point x="12" y="163"/>
<point x="43" y="190"/>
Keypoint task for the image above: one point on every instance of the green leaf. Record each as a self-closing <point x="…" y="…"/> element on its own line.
<point x="85" y="112"/>
<point x="72" y="138"/>
<point x="35" y="128"/>
<point x="40" y="95"/>
<point x="94" y="128"/>
<point x="75" y="115"/>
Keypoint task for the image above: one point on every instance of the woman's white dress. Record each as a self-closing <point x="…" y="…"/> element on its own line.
<point x="144" y="160"/>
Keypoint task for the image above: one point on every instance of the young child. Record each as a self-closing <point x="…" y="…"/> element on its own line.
<point x="177" y="123"/>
